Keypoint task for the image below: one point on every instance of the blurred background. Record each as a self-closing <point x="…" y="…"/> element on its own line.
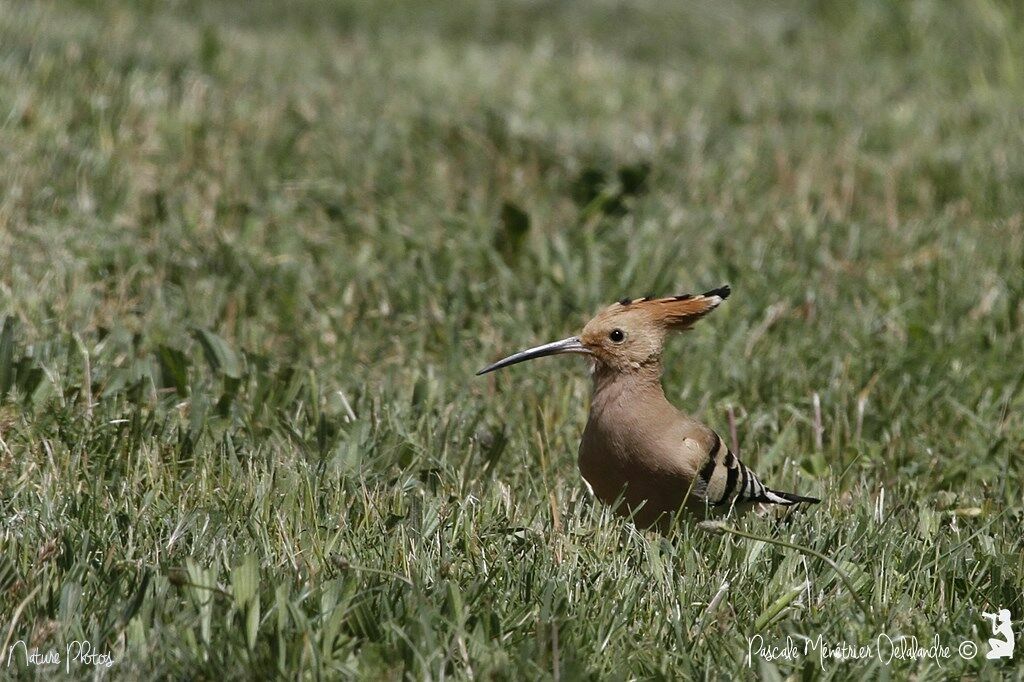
<point x="252" y="253"/>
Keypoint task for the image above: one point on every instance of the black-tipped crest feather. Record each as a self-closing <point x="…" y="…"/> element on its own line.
<point x="722" y="292"/>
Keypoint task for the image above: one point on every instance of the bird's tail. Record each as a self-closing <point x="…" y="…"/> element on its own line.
<point x="779" y="497"/>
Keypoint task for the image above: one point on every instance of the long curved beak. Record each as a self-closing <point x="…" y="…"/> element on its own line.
<point x="569" y="345"/>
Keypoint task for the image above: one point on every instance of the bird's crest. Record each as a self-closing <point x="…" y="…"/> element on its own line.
<point x="675" y="312"/>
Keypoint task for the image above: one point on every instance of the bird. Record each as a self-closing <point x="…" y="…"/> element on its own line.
<point x="638" y="451"/>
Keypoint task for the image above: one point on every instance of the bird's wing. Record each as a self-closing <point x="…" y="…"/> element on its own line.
<point x="724" y="480"/>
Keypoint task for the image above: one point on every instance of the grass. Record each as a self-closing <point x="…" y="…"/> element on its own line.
<point x="252" y="254"/>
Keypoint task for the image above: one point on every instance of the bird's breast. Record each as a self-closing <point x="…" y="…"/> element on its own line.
<point x="641" y="467"/>
<point x="613" y="458"/>
<point x="603" y="466"/>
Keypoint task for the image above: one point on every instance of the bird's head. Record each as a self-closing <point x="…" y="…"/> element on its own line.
<point x="628" y="335"/>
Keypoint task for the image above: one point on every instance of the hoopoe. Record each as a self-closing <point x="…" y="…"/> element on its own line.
<point x="637" y="449"/>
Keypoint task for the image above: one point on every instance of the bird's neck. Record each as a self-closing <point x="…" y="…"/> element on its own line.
<point x="616" y="390"/>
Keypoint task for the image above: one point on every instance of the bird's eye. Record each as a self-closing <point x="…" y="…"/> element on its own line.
<point x="617" y="336"/>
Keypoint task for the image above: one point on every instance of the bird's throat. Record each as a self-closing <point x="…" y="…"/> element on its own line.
<point x="616" y="392"/>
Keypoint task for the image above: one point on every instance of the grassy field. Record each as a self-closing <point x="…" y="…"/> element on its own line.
<point x="251" y="255"/>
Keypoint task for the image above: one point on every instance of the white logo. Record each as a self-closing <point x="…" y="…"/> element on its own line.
<point x="1000" y="648"/>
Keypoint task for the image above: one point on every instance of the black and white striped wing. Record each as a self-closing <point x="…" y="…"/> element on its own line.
<point x="724" y="480"/>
